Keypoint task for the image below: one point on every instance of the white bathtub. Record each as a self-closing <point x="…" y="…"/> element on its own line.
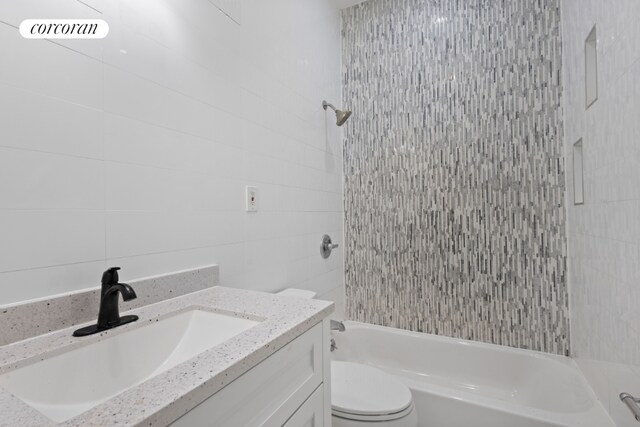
<point x="458" y="383"/>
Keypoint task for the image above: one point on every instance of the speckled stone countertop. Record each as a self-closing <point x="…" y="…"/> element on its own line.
<point x="162" y="399"/>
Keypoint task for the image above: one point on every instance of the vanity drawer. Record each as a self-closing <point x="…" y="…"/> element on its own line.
<point x="311" y="413"/>
<point x="269" y="393"/>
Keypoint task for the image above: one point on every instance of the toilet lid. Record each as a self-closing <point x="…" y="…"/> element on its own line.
<point x="363" y="390"/>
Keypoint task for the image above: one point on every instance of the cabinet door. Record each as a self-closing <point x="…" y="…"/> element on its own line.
<point x="311" y="413"/>
<point x="268" y="393"/>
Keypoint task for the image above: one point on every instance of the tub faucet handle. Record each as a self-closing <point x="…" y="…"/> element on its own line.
<point x="327" y="246"/>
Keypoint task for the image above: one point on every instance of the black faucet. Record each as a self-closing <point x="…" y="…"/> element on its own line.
<point x="109" y="315"/>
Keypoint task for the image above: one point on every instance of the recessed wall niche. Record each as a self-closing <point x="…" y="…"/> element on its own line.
<point x="591" y="67"/>
<point x="578" y="182"/>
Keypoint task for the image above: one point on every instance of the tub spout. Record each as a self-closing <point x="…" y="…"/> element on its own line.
<point x="337" y="326"/>
<point x="632" y="404"/>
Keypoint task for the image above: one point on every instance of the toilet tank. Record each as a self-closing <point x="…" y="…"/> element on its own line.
<point x="298" y="293"/>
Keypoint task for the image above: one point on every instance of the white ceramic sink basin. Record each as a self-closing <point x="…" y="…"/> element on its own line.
<point x="65" y="385"/>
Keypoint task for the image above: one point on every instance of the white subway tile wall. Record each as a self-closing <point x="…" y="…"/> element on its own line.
<point x="604" y="233"/>
<point x="135" y="150"/>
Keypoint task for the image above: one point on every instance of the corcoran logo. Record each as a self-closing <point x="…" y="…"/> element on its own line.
<point x="64" y="29"/>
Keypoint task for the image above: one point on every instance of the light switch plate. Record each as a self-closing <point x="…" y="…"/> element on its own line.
<point x="252" y="199"/>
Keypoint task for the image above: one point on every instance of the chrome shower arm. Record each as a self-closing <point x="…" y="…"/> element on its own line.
<point x="325" y="104"/>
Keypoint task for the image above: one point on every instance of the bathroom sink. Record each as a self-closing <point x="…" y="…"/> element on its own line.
<point x="67" y="384"/>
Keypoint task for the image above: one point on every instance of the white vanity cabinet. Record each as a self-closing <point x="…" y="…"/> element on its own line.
<point x="290" y="388"/>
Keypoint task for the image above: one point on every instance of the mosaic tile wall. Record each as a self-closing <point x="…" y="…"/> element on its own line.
<point x="454" y="169"/>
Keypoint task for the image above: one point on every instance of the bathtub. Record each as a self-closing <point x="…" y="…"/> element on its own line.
<point x="458" y="383"/>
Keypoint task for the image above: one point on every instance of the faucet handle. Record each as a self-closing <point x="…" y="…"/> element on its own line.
<point x="110" y="277"/>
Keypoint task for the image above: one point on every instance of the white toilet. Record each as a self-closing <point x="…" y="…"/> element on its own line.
<point x="363" y="396"/>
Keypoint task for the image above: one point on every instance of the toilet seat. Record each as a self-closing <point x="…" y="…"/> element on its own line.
<point x="363" y="393"/>
<point x="373" y="418"/>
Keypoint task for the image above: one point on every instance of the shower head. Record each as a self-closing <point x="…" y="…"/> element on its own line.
<point x="341" y="116"/>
